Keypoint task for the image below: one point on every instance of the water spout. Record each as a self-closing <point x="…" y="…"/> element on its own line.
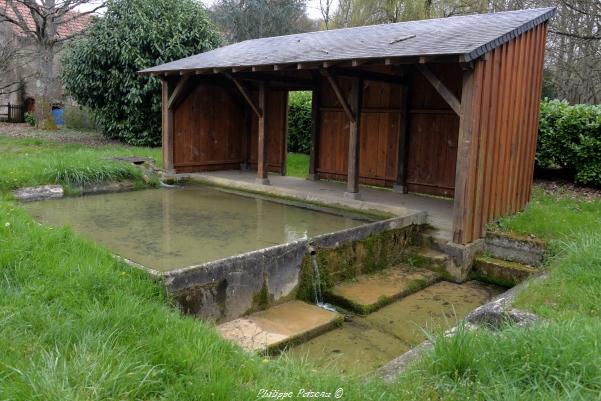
<point x="318" y="297"/>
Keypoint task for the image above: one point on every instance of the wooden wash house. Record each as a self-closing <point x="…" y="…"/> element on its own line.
<point x="444" y="107"/>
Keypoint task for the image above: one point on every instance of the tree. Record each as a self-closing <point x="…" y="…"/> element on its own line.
<point x="240" y="20"/>
<point x="47" y="25"/>
<point x="326" y="9"/>
<point x="100" y="68"/>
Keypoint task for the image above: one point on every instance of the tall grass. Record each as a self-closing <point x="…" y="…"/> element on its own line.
<point x="37" y="162"/>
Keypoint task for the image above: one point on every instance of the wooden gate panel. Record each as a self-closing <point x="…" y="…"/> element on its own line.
<point x="276" y="115"/>
<point x="207" y="130"/>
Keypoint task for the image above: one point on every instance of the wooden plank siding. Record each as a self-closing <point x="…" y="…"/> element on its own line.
<point x="433" y="133"/>
<point x="208" y="130"/>
<point x="276" y="116"/>
<point x="497" y="139"/>
<point x="378" y="133"/>
<point x="214" y="129"/>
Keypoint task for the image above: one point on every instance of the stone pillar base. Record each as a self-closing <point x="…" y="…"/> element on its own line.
<point x="352" y="195"/>
<point x="262" y="181"/>
<point x="400" y="189"/>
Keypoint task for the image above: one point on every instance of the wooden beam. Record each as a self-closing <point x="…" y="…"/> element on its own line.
<point x="167" y="129"/>
<point x="315" y="127"/>
<point x="350" y="115"/>
<point x="256" y="109"/>
<point x="440" y="87"/>
<point x="400" y="184"/>
<point x="352" y="184"/>
<point x="368" y="75"/>
<point x="177" y="92"/>
<point x="465" y="162"/>
<point x="262" y="158"/>
<point x="273" y="78"/>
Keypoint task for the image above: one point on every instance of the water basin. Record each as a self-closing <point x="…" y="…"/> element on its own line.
<point x="166" y="229"/>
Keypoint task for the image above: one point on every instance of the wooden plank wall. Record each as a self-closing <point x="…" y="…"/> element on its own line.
<point x="433" y="131"/>
<point x="214" y="129"/>
<point x="276" y="116"/>
<point x="378" y="135"/>
<point x="208" y="130"/>
<point x="507" y="86"/>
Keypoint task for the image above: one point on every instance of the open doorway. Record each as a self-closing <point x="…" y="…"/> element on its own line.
<point x="299" y="133"/>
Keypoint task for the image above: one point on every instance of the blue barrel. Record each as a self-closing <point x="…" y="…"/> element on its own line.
<point x="58" y="115"/>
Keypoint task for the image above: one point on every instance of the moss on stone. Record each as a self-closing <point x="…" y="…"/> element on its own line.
<point x="369" y="255"/>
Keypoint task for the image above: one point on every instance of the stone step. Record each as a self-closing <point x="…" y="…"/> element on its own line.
<point x="426" y="258"/>
<point x="501" y="272"/>
<point x="281" y="325"/>
<point x="370" y="292"/>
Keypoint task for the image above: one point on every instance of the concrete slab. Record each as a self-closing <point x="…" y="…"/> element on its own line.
<point x="279" y="326"/>
<point x="440" y="210"/>
<point x="354" y="348"/>
<point x="438" y="307"/>
<point x="368" y="293"/>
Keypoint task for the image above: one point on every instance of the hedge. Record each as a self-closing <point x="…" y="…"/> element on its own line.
<point x="570" y="137"/>
<point x="299" y="122"/>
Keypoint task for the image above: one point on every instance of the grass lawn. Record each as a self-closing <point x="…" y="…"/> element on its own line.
<point x="75" y="324"/>
<point x="297" y="165"/>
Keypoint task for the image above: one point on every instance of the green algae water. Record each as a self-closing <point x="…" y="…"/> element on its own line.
<point x="365" y="343"/>
<point x="166" y="229"/>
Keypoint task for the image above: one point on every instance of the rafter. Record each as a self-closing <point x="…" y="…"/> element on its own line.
<point x="440" y="87"/>
<point x="339" y="95"/>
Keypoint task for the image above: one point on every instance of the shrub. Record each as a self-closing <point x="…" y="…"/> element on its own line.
<point x="79" y="118"/>
<point x="299" y="122"/>
<point x="570" y="137"/>
<point x="100" y="68"/>
<point x="30" y="119"/>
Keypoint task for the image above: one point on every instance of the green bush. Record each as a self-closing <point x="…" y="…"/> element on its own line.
<point x="79" y="118"/>
<point x="570" y="137"/>
<point x="30" y="119"/>
<point x="299" y="122"/>
<point x="100" y="68"/>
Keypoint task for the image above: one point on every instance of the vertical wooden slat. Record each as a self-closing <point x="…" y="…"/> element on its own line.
<point x="480" y="212"/>
<point x="463" y="189"/>
<point x="262" y="157"/>
<point x="474" y="232"/>
<point x="403" y="144"/>
<point x="167" y="134"/>
<point x="496" y="193"/>
<point x="539" y="81"/>
<point x="352" y="187"/>
<point x="504" y="130"/>
<point x="515" y="127"/>
<point x="490" y="176"/>
<point x="528" y="111"/>
<point x="315" y="127"/>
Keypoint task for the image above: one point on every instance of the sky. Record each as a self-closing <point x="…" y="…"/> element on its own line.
<point x="312" y="7"/>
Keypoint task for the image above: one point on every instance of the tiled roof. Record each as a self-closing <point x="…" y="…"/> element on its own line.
<point x="74" y="23"/>
<point x="469" y="36"/>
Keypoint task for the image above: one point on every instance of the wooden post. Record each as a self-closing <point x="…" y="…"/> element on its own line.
<point x="400" y="184"/>
<point x="464" y="185"/>
<point x="262" y="158"/>
<point x="167" y="129"/>
<point x="352" y="185"/>
<point x="315" y="119"/>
